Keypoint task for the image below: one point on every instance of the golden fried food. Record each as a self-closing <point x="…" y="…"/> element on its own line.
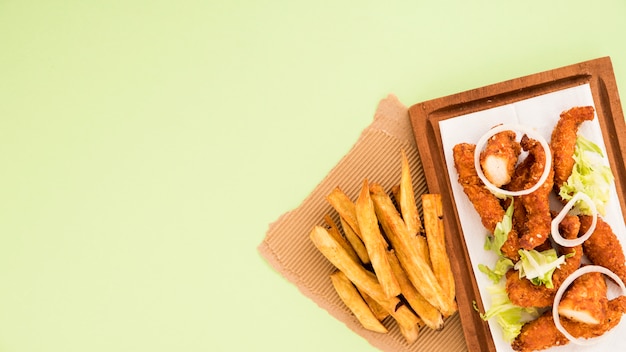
<point x="524" y="293"/>
<point x="537" y="204"/>
<point x="585" y="301"/>
<point x="563" y="141"/>
<point x="603" y="247"/>
<point x="374" y="242"/>
<point x="499" y="157"/>
<point x="542" y="333"/>
<point x="486" y="204"/>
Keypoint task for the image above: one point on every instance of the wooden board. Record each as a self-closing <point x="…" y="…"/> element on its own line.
<point x="425" y="118"/>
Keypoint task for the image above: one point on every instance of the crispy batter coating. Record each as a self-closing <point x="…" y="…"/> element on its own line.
<point x="563" y="141"/>
<point x="541" y="333"/>
<point x="485" y="203"/>
<point x="524" y="293"/>
<point x="537" y="204"/>
<point x="603" y="247"/>
<point x="499" y="157"/>
<point x="585" y="301"/>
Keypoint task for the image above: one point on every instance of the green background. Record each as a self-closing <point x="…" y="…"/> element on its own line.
<point x="145" y="147"/>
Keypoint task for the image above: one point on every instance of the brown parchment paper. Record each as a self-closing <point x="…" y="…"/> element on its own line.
<point x="376" y="155"/>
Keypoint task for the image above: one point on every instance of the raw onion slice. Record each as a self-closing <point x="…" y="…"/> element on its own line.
<point x="516" y="128"/>
<point x="566" y="283"/>
<point x="556" y="235"/>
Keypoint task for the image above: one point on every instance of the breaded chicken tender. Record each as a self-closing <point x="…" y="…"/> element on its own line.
<point x="542" y="333"/>
<point x="603" y="247"/>
<point x="563" y="141"/>
<point x="499" y="157"/>
<point x="537" y="204"/>
<point x="585" y="301"/>
<point x="524" y="293"/>
<point x="487" y="205"/>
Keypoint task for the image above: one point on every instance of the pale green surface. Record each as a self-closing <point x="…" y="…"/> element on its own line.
<point x="145" y="146"/>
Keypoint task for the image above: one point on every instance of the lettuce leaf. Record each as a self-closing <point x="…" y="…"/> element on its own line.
<point x="508" y="316"/>
<point x="538" y="266"/>
<point x="590" y="175"/>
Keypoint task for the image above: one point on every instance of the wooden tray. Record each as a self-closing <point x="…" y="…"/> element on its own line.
<point x="425" y="119"/>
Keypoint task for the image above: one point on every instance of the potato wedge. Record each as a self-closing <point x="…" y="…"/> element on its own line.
<point x="435" y="236"/>
<point x="406" y="199"/>
<point x="417" y="269"/>
<point x="357" y="305"/>
<point x="426" y="311"/>
<point x="374" y="242"/>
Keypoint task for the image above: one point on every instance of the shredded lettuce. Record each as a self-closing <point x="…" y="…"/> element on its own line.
<point x="590" y="175"/>
<point x="538" y="266"/>
<point x="494" y="243"/>
<point x="509" y="316"/>
<point x="499" y="270"/>
<point x="501" y="233"/>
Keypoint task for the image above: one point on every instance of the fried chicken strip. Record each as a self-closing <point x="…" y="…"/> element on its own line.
<point x="499" y="157"/>
<point x="486" y="204"/>
<point x="603" y="247"/>
<point x="585" y="301"/>
<point x="524" y="293"/>
<point x="563" y="141"/>
<point x="541" y="333"/>
<point x="537" y="203"/>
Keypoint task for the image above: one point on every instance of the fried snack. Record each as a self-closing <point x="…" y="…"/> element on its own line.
<point x="353" y="300"/>
<point x="563" y="141"/>
<point x="416" y="267"/>
<point x="379" y="311"/>
<point x="499" y="157"/>
<point x="435" y="236"/>
<point x="374" y="242"/>
<point x="603" y="247"/>
<point x="333" y="230"/>
<point x="522" y="292"/>
<point x="339" y="257"/>
<point x="537" y="204"/>
<point x="406" y="199"/>
<point x="426" y="311"/>
<point x="487" y="205"/>
<point x="355" y="241"/>
<point x="585" y="301"/>
<point x="344" y="207"/>
<point x="409" y="323"/>
<point x="365" y="281"/>
<point x="541" y="333"/>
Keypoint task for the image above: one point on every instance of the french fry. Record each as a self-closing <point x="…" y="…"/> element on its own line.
<point x="345" y="207"/>
<point x="421" y="244"/>
<point x="357" y="305"/>
<point x="426" y="311"/>
<point x="409" y="323"/>
<point x="334" y="231"/>
<point x="374" y="242"/>
<point x="406" y="199"/>
<point x="361" y="277"/>
<point x="379" y="312"/>
<point x="416" y="267"/>
<point x="366" y="281"/>
<point x="435" y="236"/>
<point x="355" y="241"/>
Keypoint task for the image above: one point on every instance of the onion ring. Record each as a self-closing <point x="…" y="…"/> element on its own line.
<point x="516" y="128"/>
<point x="556" y="235"/>
<point x="568" y="281"/>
